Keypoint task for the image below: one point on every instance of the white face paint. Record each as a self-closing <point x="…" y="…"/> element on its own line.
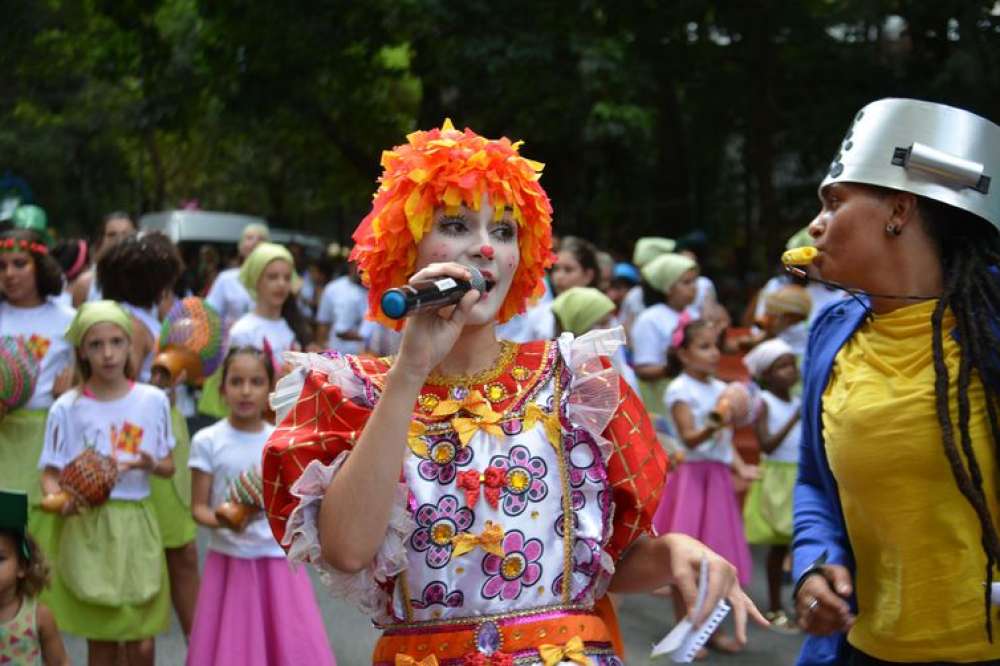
<point x="473" y="238"/>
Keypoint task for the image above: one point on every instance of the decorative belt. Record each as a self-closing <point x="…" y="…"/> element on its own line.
<point x="546" y="636"/>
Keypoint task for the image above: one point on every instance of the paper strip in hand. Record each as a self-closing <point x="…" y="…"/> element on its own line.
<point x="684" y="641"/>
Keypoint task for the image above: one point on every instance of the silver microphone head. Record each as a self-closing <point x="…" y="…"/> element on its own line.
<point x="476" y="279"/>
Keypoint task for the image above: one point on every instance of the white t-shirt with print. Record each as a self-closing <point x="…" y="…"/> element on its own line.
<point x="42" y="328"/>
<point x="779" y="413"/>
<point x="252" y="330"/>
<point x="343" y="307"/>
<point x="137" y="421"/>
<point x="225" y="452"/>
<point x="700" y="397"/>
<point x="651" y="334"/>
<point x="229" y="297"/>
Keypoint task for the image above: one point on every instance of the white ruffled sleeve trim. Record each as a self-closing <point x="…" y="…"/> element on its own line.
<point x="593" y="395"/>
<point x="302" y="536"/>
<point x="289" y="387"/>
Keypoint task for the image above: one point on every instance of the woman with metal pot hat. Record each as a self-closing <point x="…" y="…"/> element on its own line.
<point x="896" y="544"/>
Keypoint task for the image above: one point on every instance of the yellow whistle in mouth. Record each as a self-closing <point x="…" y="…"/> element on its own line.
<point x="799" y="256"/>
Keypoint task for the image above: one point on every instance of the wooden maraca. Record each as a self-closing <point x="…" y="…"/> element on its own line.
<point x="244" y="498"/>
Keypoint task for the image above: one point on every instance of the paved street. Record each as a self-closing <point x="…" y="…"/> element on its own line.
<point x="645" y="619"/>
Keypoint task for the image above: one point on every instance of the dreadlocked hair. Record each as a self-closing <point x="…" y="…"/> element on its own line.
<point x="970" y="252"/>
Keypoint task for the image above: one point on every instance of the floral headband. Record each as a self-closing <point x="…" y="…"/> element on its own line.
<point x="15" y="245"/>
<point x="447" y="168"/>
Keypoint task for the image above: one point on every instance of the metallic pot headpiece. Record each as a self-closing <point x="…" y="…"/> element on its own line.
<point x="932" y="150"/>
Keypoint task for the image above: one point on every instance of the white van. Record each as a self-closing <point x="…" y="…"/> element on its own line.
<point x="205" y="226"/>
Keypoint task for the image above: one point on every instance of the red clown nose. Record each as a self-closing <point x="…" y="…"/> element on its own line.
<point x="487" y="251"/>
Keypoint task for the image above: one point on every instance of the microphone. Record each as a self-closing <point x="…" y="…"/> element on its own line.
<point x="434" y="294"/>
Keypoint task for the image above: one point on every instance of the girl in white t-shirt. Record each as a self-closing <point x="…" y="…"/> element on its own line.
<point x="767" y="512"/>
<point x="29" y="283"/>
<point x="110" y="584"/>
<point x="139" y="272"/>
<point x="275" y="324"/>
<point x="699" y="499"/>
<point x="669" y="285"/>
<point x="253" y="608"/>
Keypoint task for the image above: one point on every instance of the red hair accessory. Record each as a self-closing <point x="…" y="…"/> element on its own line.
<point x="81" y="259"/>
<point x="447" y="169"/>
<point x="470" y="481"/>
<point x="15" y="245"/>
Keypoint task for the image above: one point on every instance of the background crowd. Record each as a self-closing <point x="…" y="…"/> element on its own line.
<point x="272" y="299"/>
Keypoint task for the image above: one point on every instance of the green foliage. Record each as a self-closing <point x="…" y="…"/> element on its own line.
<point x="651" y="117"/>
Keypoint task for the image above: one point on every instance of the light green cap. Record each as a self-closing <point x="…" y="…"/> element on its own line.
<point x="579" y="308"/>
<point x="97" y="312"/>
<point x="663" y="272"/>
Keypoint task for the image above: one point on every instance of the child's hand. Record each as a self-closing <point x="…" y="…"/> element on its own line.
<point x="69" y="508"/>
<point x="63" y="382"/>
<point x="145" y="462"/>
<point x="749" y="472"/>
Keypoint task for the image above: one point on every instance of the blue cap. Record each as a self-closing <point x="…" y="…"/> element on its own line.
<point x="625" y="270"/>
<point x="393" y="304"/>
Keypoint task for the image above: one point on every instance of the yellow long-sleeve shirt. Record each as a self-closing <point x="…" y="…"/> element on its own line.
<point x="916" y="539"/>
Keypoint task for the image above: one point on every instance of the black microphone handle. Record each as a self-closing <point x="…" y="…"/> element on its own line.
<point x="435" y="294"/>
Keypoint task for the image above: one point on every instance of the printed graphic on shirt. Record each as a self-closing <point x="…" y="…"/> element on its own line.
<point x="127" y="440"/>
<point x="38" y="346"/>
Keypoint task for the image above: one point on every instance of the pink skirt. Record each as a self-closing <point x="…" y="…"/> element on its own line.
<point x="699" y="501"/>
<point x="257" y="612"/>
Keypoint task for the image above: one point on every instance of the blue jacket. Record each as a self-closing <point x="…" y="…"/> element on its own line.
<point x="819" y="518"/>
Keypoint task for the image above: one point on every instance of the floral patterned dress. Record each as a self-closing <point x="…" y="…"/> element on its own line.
<point x="522" y="488"/>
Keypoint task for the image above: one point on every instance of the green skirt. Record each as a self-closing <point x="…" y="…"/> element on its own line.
<point x="109" y="574"/>
<point x="652" y="395"/>
<point x="767" y="512"/>
<point x="171" y="498"/>
<point x="210" y="402"/>
<point x="22" y="434"/>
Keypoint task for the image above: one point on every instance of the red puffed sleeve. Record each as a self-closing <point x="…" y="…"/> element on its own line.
<point x="637" y="470"/>
<point x="322" y="425"/>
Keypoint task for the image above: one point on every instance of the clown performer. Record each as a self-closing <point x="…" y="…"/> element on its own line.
<point x="895" y="513"/>
<point x="475" y="497"/>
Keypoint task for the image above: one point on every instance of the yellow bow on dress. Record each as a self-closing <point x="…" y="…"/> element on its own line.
<point x="484" y="418"/>
<point x="414" y="438"/>
<point x="491" y="540"/>
<point x="572" y="651"/>
<point x="407" y="660"/>
<point x="553" y="429"/>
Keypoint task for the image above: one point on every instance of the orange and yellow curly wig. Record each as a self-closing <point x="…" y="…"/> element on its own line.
<point x="446" y="168"/>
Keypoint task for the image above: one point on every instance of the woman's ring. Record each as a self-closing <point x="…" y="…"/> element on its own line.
<point x="812" y="605"/>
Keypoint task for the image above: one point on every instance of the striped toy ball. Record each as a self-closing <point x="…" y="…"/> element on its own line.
<point x="248" y="489"/>
<point x="195" y="325"/>
<point x="18" y="372"/>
